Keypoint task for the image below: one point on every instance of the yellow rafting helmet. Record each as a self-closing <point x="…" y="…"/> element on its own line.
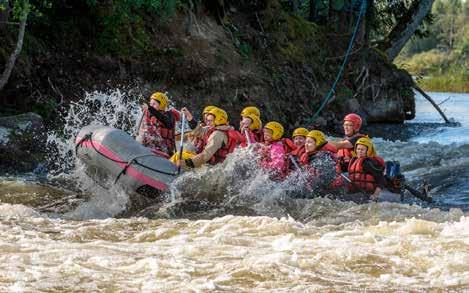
<point x="256" y="122"/>
<point x="276" y="128"/>
<point x="300" y="132"/>
<point x="318" y="136"/>
<point x="251" y="110"/>
<point x="366" y="141"/>
<point x="161" y="98"/>
<point x="207" y="109"/>
<point x="221" y="118"/>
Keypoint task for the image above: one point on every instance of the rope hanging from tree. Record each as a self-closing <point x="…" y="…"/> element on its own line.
<point x="327" y="98"/>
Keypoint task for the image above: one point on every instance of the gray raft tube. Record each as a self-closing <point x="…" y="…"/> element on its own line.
<point x="112" y="156"/>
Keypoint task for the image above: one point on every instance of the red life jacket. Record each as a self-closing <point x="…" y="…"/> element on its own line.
<point x="164" y="136"/>
<point x="344" y="155"/>
<point x="259" y="135"/>
<point x="199" y="142"/>
<point x="298" y="152"/>
<point x="327" y="147"/>
<point x="360" y="179"/>
<point x="234" y="138"/>
<point x="253" y="138"/>
<point x="288" y="145"/>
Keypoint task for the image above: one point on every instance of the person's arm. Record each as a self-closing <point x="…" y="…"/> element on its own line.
<point x="190" y="118"/>
<point x="199" y="131"/>
<point x="375" y="195"/>
<point x="376" y="171"/>
<point x="165" y="117"/>
<point x="343" y="144"/>
<point x="192" y="123"/>
<point x="215" y="142"/>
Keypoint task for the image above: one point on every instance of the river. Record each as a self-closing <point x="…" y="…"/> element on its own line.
<point x="62" y="232"/>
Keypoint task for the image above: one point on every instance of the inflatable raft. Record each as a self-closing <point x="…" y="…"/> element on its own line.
<point x="111" y="155"/>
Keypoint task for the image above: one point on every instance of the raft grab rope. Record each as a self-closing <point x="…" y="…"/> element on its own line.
<point x="127" y="163"/>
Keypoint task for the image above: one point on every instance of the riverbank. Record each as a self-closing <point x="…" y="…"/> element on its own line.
<point x="438" y="71"/>
<point x="256" y="55"/>
<point x="456" y="83"/>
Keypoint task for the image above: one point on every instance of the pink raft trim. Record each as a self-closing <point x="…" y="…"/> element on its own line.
<point x="131" y="171"/>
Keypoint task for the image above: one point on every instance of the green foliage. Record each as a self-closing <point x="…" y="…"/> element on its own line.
<point x="294" y="37"/>
<point x="448" y="30"/>
<point x="123" y="23"/>
<point x="441" y="57"/>
<point x="21" y="8"/>
<point x="457" y="82"/>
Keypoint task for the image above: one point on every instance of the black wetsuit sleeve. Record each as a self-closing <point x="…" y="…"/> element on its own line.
<point x="193" y="123"/>
<point x="371" y="167"/>
<point x="165" y="117"/>
<point x="353" y="140"/>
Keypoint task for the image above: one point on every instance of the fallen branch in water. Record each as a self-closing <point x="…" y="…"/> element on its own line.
<point x="432" y="102"/>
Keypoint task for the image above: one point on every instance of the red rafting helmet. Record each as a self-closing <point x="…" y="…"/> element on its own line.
<point x="355" y="119"/>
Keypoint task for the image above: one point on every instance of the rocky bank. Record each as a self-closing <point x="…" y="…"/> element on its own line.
<point x="257" y="54"/>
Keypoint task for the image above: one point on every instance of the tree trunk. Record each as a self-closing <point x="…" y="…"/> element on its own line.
<point x="19" y="45"/>
<point x="451" y="33"/>
<point x="406" y="27"/>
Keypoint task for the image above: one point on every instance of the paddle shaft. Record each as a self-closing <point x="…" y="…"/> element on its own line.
<point x="181" y="145"/>
<point x="295" y="163"/>
<point x="140" y="122"/>
<point x="248" y="140"/>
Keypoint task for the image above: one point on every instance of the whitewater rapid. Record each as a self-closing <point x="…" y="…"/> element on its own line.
<point x="61" y="233"/>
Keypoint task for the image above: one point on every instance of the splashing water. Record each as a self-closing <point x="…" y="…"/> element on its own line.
<point x="116" y="109"/>
<point x="284" y="244"/>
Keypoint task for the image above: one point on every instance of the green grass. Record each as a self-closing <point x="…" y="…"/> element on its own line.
<point x="438" y="71"/>
<point x="445" y="83"/>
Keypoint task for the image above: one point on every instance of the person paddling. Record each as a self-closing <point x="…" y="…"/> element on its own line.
<point x="299" y="139"/>
<point x="275" y="150"/>
<point x="366" y="169"/>
<point x="219" y="140"/>
<point x="250" y="126"/>
<point x="249" y="112"/>
<point x="199" y="128"/>
<point x="352" y="125"/>
<point x="157" y="128"/>
<point x="320" y="162"/>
